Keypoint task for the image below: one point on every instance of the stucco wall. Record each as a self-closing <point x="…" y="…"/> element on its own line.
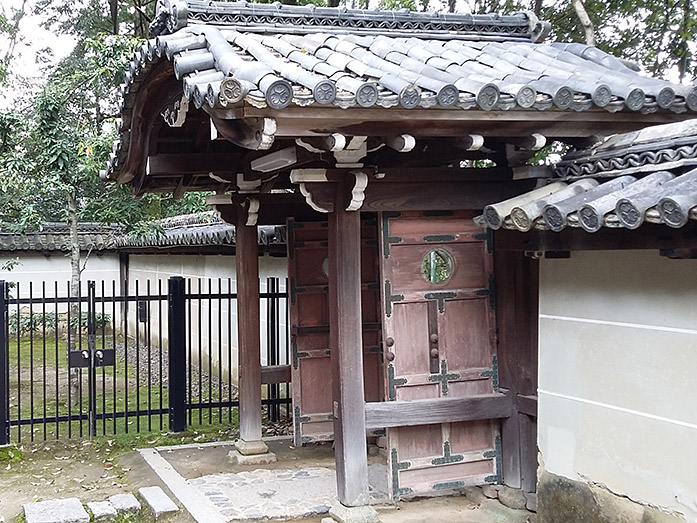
<point x="37" y="268"/>
<point x="213" y="322"/>
<point x="618" y="374"/>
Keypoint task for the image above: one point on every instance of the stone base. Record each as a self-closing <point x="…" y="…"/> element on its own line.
<point x="236" y="458"/>
<point x="362" y="514"/>
<point x="563" y="499"/>
<point x="251" y="447"/>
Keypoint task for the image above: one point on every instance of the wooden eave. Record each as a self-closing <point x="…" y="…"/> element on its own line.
<point x="375" y="121"/>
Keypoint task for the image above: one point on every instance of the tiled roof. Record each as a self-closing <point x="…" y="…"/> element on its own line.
<point x="632" y="178"/>
<point x="231" y="54"/>
<point x="483" y="62"/>
<point x="198" y="229"/>
<point x="56" y="237"/>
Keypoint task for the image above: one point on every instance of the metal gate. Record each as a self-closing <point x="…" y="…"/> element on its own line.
<point x="98" y="363"/>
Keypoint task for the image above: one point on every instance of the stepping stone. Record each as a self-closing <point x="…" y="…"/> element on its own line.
<point x="68" y="510"/>
<point x="102" y="510"/>
<point x="125" y="503"/>
<point x="361" y="514"/>
<point x="159" y="502"/>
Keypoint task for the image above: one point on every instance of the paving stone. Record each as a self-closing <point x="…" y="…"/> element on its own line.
<point x="68" y="510"/>
<point x="102" y="510"/>
<point x="159" y="502"/>
<point x="490" y="492"/>
<point x="125" y="503"/>
<point x="512" y="498"/>
<point x="327" y="520"/>
<point x="363" y="514"/>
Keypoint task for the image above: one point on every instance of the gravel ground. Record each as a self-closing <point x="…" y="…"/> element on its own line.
<point x="138" y="357"/>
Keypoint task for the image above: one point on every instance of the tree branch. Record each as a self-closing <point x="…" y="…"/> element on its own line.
<point x="585" y="21"/>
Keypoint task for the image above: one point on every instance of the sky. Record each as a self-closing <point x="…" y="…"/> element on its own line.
<point x="28" y="55"/>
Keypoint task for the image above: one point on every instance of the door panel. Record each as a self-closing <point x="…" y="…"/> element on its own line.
<point x="439" y="332"/>
<point x="311" y="372"/>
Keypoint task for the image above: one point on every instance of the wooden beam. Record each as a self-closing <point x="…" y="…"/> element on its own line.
<point x="441" y="410"/>
<point x="427" y="196"/>
<point x="308" y="121"/>
<point x="648" y="236"/>
<point x="249" y="343"/>
<point x="251" y="133"/>
<point x="346" y="342"/>
<point x="193" y="163"/>
<point x="274" y="209"/>
<point x="527" y="405"/>
<point x="275" y="374"/>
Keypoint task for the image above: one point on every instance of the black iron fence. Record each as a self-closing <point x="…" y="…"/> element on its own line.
<point x="134" y="359"/>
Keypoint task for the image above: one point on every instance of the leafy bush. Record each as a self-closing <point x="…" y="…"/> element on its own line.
<point x="27" y="323"/>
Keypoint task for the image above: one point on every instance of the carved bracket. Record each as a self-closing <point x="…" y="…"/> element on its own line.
<point x="355" y="150"/>
<point x="174" y="113"/>
<point x="358" y="191"/>
<point x="307" y="193"/>
<point x="252" y="207"/>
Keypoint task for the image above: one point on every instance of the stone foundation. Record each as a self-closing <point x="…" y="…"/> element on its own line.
<point x="562" y="499"/>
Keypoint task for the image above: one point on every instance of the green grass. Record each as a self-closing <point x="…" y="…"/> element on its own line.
<point x="31" y="357"/>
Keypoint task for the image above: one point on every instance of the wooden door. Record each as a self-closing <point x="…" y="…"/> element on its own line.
<point x="439" y="335"/>
<point x="311" y="371"/>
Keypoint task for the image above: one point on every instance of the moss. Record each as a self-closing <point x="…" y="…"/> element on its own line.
<point x="10" y="454"/>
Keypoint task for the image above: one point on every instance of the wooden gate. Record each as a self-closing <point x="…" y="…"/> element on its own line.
<point x="311" y="371"/>
<point x="439" y="342"/>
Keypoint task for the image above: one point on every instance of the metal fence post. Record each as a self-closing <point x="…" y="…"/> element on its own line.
<point x="92" y="348"/>
<point x="176" y="301"/>
<point x="4" y="369"/>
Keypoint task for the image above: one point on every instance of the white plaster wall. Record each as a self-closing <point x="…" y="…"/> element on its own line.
<point x="213" y="323"/>
<point x="37" y="268"/>
<point x="618" y="374"/>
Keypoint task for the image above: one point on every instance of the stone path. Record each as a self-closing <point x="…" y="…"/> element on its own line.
<point x="71" y="510"/>
<point x="276" y="494"/>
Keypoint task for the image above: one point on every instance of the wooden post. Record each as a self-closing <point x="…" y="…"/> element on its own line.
<point x="249" y="344"/>
<point x="346" y="340"/>
<point x="517" y="310"/>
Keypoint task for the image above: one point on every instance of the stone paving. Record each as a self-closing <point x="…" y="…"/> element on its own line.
<point x="277" y="493"/>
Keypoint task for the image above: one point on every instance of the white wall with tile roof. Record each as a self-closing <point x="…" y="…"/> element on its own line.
<point x="617" y="374"/>
<point x="216" y="331"/>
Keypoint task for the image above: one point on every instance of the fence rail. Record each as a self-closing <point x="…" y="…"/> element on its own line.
<point x="135" y="359"/>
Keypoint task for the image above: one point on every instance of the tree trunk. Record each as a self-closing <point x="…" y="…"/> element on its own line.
<point x="683" y="49"/>
<point x="114" y="14"/>
<point x="74" y="325"/>
<point x="537" y="9"/>
<point x="585" y="21"/>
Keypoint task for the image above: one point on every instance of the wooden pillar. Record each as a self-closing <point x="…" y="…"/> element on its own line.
<point x="249" y="344"/>
<point x="517" y="311"/>
<point x="346" y="340"/>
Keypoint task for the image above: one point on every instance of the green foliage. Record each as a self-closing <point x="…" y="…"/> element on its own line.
<point x="48" y="322"/>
